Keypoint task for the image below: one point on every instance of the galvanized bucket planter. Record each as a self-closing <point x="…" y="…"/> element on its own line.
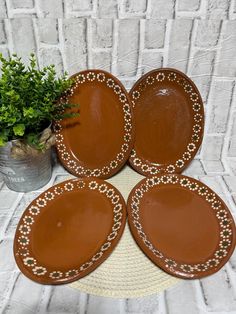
<point x="27" y="173"/>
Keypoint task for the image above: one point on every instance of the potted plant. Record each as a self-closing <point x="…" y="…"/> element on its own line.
<point x="28" y="105"/>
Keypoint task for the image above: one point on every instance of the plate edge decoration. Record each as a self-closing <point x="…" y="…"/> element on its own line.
<point x="159" y="75"/>
<point x="29" y="265"/>
<point x="225" y="220"/>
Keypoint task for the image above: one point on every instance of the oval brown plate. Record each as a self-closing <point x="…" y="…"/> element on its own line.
<point x="181" y="225"/>
<point x="98" y="142"/>
<point x="69" y="230"/>
<point x="169" y="122"/>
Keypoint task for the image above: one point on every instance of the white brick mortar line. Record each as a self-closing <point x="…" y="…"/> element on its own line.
<point x="89" y="42"/>
<point x="148" y="9"/>
<point x="141" y="46"/>
<point x="9" y="35"/>
<point x="232" y="276"/>
<point x="37" y="42"/>
<point x="61" y="43"/>
<point x="9" y="8"/>
<point x="95" y="6"/>
<point x="115" y="47"/>
<point x="229" y="126"/>
<point x="167" y="42"/>
<point x="201" y="305"/>
<point x="192" y="48"/>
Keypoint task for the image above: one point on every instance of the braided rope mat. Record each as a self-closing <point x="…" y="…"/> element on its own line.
<point x="127" y="273"/>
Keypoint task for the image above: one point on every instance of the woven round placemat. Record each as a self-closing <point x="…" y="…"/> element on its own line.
<point x="127" y="272"/>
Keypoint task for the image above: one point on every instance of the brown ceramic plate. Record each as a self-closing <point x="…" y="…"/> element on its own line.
<point x="69" y="230"/>
<point x="169" y="122"/>
<point x="181" y="225"/>
<point x="99" y="141"/>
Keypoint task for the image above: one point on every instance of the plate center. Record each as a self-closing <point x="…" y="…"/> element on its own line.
<point x="98" y="136"/>
<point x="163" y="123"/>
<point x="179" y="223"/>
<point x="71" y="229"/>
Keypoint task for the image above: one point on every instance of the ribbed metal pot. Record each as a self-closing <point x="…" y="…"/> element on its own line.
<point x="26" y="174"/>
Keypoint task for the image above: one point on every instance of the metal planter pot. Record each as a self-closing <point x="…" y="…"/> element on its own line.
<point x="26" y="174"/>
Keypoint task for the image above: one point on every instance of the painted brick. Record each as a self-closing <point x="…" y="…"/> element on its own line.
<point x="151" y="60"/>
<point x="22" y="4"/>
<point x="155" y="33"/>
<point x="232" y="142"/>
<point x="162" y="9"/>
<point x="221" y="297"/>
<point x="212" y="147"/>
<point x="48" y="31"/>
<point x="7" y="261"/>
<point x="135" y="6"/>
<point x="81" y="5"/>
<point x="207" y="33"/>
<point x="51" y="56"/>
<point x="179" y="44"/>
<point x="23" y="45"/>
<point x="221" y="92"/>
<point x="98" y="306"/>
<point x="63" y="300"/>
<point x="102" y="60"/>
<point x="128" y="47"/>
<point x="201" y="70"/>
<point x="218" y="9"/>
<point x="213" y="166"/>
<point x="227" y="51"/>
<point x="195" y="168"/>
<point x="182" y="296"/>
<point x="25" y="295"/>
<point x="150" y="304"/>
<point x="75" y="44"/>
<point x="7" y="198"/>
<point x="102" y="33"/>
<point x="5" y="285"/>
<point x="107" y="9"/>
<point x="186" y="5"/>
<point x="3" y="9"/>
<point x="231" y="183"/>
<point x="52" y="8"/>
<point x="2" y="32"/>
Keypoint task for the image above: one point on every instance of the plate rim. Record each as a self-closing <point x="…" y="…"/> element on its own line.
<point x="155" y="260"/>
<point x="201" y="123"/>
<point x="114" y="242"/>
<point x="129" y="144"/>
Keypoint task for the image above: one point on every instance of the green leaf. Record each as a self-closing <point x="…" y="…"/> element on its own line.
<point x="19" y="129"/>
<point x="29" y="98"/>
<point x="3" y="138"/>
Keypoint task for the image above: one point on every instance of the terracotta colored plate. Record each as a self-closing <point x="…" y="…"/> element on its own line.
<point x="69" y="230"/>
<point x="99" y="141"/>
<point x="181" y="225"/>
<point x="169" y="122"/>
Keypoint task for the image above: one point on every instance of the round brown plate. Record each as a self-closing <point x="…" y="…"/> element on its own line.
<point x="98" y="142"/>
<point x="169" y="122"/>
<point x="181" y="225"/>
<point x="69" y="230"/>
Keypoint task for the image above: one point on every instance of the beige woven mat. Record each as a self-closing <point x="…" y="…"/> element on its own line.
<point x="127" y="272"/>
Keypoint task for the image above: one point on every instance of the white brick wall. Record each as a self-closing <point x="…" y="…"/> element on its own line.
<point x="129" y="38"/>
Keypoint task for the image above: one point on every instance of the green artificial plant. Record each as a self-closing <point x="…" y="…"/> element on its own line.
<point x="29" y="99"/>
